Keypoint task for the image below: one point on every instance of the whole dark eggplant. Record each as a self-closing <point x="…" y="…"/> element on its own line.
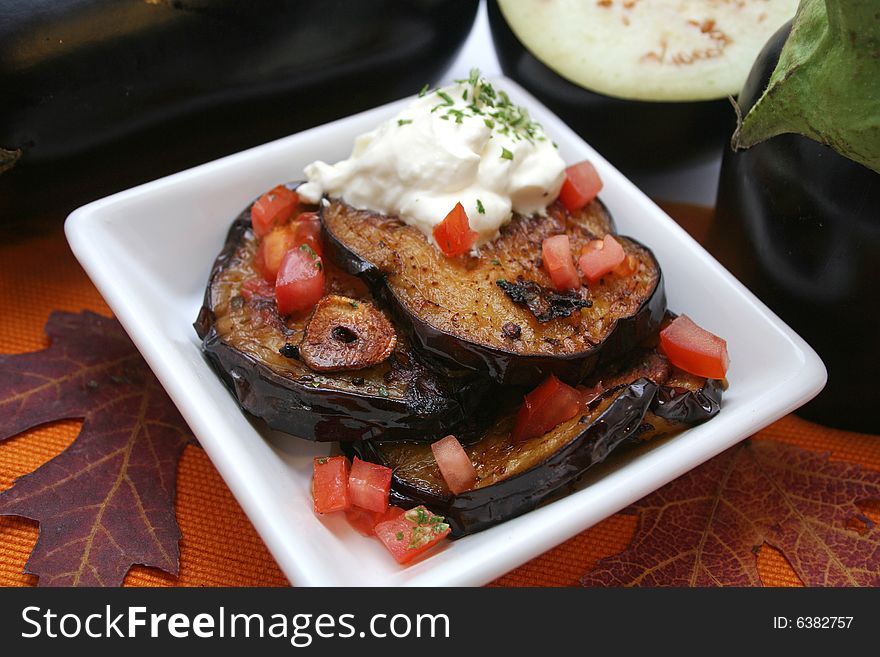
<point x="98" y="96"/>
<point x="636" y="136"/>
<point x="799" y="224"/>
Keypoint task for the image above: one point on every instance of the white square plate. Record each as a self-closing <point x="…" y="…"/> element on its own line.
<point x="149" y="251"/>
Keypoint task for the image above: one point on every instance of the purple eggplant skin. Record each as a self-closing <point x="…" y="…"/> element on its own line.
<point x="799" y="224"/>
<point x="625" y="420"/>
<point x="688" y="407"/>
<point x="100" y="96"/>
<point x="636" y="136"/>
<point x="507" y="368"/>
<point x="430" y="408"/>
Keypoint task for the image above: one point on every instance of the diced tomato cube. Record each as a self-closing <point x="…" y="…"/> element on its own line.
<point x="271" y="251"/>
<point x="364" y="522"/>
<point x="411" y="533"/>
<point x="272" y="208"/>
<point x="601" y="257"/>
<point x="694" y="349"/>
<point x="454" y="235"/>
<point x="556" y="254"/>
<point x="369" y="485"/>
<point x="330" y="484"/>
<point x="256" y="287"/>
<point x="582" y="184"/>
<point x="455" y="465"/>
<point x="550" y="404"/>
<point x="307" y="230"/>
<point x="300" y="282"/>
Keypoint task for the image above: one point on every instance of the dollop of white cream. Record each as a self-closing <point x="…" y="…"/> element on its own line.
<point x="438" y="152"/>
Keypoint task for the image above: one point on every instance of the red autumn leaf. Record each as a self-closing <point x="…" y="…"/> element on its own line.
<point x="106" y="502"/>
<point x="704" y="528"/>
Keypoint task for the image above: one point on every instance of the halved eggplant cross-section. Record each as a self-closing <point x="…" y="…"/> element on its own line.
<point x="259" y="355"/>
<point x="456" y="309"/>
<point x="644" y="397"/>
<point x="346" y="334"/>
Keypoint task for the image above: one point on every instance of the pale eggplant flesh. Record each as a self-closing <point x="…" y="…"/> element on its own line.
<point x="646" y="84"/>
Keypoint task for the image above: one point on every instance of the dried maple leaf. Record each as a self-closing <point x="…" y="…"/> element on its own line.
<point x="704" y="528"/>
<point x="106" y="502"/>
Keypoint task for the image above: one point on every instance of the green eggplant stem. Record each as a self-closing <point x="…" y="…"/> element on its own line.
<point x="826" y="85"/>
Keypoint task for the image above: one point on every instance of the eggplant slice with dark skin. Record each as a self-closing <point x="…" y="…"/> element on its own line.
<point x="256" y="352"/>
<point x="645" y="397"/>
<point x="497" y="313"/>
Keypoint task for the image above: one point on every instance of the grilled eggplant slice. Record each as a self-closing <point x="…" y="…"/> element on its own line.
<point x="647" y="398"/>
<point x="496" y="313"/>
<point x="258" y="354"/>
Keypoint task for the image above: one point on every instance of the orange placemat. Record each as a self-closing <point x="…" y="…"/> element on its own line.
<point x="219" y="547"/>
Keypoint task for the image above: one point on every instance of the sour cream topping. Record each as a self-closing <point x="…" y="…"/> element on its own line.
<point x="465" y="143"/>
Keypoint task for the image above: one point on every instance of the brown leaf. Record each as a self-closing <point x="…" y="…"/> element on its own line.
<point x="106" y="502"/>
<point x="704" y="528"/>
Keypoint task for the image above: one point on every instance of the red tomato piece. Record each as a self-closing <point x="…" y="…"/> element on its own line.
<point x="556" y="254"/>
<point x="369" y="485"/>
<point x="364" y="522"/>
<point x="455" y="465"/>
<point x="694" y="349"/>
<point x="411" y="533"/>
<point x="271" y="251"/>
<point x="548" y="405"/>
<point x="330" y="484"/>
<point x="272" y="208"/>
<point x="300" y="282"/>
<point x="256" y="287"/>
<point x="307" y="230"/>
<point x="588" y="395"/>
<point x="582" y="184"/>
<point x="454" y="235"/>
<point x="600" y="257"/>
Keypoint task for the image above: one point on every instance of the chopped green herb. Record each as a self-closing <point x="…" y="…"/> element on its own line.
<point x="424" y="90"/>
<point x="506" y="117"/>
<point x="496" y="262"/>
<point x="403" y="121"/>
<point x="322" y="460"/>
<point x="353" y="304"/>
<point x="315" y="384"/>
<point x="506" y="154"/>
<point x="399" y="536"/>
<point x="447" y="99"/>
<point x="383" y="391"/>
<point x="480" y="207"/>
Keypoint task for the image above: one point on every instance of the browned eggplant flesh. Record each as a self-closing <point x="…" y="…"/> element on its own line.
<point x="644" y="397"/>
<point x="496" y="312"/>
<point x="340" y="372"/>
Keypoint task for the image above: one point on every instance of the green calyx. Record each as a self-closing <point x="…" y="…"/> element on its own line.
<point x="826" y="85"/>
